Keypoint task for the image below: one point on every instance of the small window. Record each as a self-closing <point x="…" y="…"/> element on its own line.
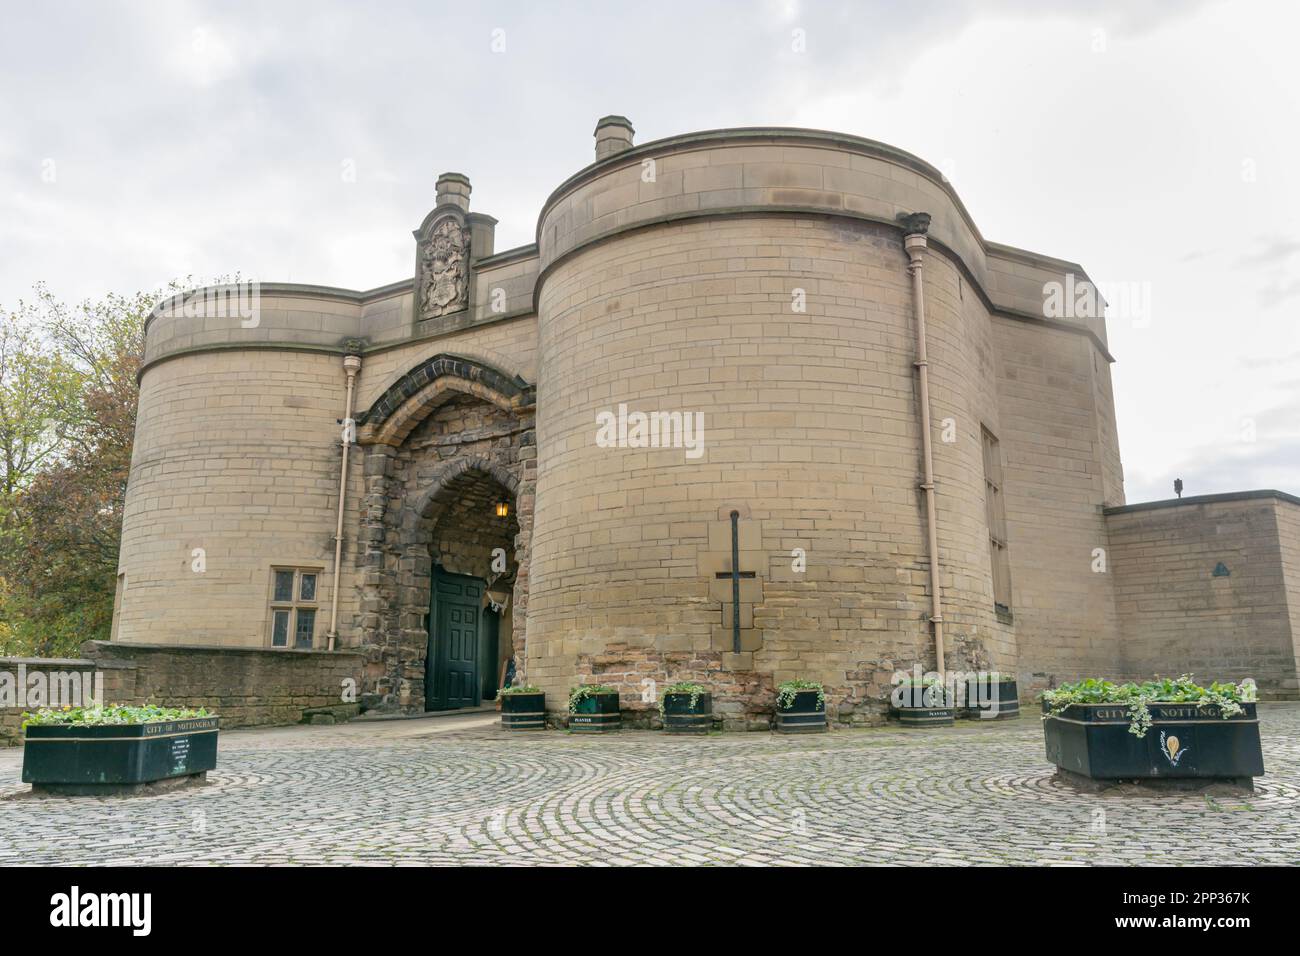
<point x="293" y="617"/>
<point x="996" y="515"/>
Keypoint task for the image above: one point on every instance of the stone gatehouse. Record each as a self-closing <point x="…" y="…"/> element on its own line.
<point x="908" y="454"/>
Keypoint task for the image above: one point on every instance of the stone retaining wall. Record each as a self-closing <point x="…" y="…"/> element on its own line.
<point x="246" y="686"/>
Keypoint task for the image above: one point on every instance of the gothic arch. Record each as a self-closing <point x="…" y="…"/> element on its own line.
<point x="443" y="481"/>
<point x="410" y="398"/>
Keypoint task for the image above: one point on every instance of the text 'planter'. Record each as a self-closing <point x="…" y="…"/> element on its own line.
<point x="597" y="714"/>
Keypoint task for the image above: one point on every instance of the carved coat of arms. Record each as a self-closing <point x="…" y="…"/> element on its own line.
<point x="444" y="269"/>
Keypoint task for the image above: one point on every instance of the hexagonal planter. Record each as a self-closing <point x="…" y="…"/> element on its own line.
<point x="117" y="758"/>
<point x="1091" y="743"/>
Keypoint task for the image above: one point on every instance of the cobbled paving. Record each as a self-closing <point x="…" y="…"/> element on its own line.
<point x="461" y="791"/>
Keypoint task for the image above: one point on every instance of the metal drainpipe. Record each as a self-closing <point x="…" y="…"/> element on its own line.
<point x="351" y="366"/>
<point x="914" y="242"/>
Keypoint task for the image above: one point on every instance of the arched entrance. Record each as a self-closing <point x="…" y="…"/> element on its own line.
<point x="471" y="525"/>
<point x="444" y="589"/>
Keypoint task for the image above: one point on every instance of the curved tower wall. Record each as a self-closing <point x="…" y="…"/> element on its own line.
<point x="234" y="470"/>
<point x="810" y="428"/>
<point x="756" y="277"/>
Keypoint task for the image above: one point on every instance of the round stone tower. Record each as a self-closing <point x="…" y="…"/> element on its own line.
<point x="726" y="325"/>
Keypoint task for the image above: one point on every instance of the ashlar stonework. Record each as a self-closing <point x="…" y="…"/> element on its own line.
<point x="769" y="285"/>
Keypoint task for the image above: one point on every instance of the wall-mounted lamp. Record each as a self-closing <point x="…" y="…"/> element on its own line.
<point x="503" y="509"/>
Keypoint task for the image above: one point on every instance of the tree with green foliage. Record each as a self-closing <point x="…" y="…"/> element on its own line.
<point x="68" y="396"/>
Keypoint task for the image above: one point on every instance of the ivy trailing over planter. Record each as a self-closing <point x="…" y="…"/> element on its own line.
<point x="580" y="693"/>
<point x="933" y="692"/>
<point x="786" y="691"/>
<point x="683" y="687"/>
<point x="1227" y="697"/>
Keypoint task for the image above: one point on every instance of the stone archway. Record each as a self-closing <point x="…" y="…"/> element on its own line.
<point x="467" y="520"/>
<point x="436" y="466"/>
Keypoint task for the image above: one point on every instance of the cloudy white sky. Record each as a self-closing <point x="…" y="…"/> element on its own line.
<point x="1153" y="142"/>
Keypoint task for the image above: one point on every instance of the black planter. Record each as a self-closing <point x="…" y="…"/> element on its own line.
<point x="805" y="715"/>
<point x="597" y="714"/>
<point x="681" y="718"/>
<point x="523" y="711"/>
<point x="926" y="716"/>
<point x="1185" y="742"/>
<point x="115" y="757"/>
<point x="992" y="699"/>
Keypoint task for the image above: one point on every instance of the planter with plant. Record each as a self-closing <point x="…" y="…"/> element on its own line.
<point x="686" y="708"/>
<point x="991" y="696"/>
<point x="593" y="709"/>
<point x="800" y="707"/>
<point x="1169" y="729"/>
<point x="923" y="702"/>
<point x="522" y="708"/>
<point x="102" y="750"/>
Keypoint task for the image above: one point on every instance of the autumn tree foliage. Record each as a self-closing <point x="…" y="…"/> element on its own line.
<point x="68" y="396"/>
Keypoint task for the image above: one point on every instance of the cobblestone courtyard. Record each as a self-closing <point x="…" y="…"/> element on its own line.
<point x="458" y="790"/>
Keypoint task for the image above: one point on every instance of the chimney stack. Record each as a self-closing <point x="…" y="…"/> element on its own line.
<point x="613" y="135"/>
<point x="453" y="188"/>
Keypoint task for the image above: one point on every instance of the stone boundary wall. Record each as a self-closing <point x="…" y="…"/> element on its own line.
<point x="246" y="686"/>
<point x="1201" y="587"/>
<point x="118" y="683"/>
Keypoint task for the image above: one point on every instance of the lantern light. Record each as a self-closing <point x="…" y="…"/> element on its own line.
<point x="503" y="509"/>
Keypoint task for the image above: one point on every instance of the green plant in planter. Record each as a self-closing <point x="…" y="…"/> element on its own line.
<point x="521" y="689"/>
<point x="683" y="687"/>
<point x="786" y="690"/>
<point x="1227" y="697"/>
<point x="100" y="716"/>
<point x="934" y="693"/>
<point x="583" y="691"/>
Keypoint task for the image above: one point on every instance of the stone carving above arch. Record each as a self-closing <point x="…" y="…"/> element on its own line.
<point x="410" y="399"/>
<point x="442" y="266"/>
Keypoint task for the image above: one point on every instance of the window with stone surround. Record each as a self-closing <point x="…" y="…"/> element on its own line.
<point x="995" y="512"/>
<point x="294" y="606"/>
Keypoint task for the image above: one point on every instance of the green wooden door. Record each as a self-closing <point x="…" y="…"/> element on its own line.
<point x="452" y="663"/>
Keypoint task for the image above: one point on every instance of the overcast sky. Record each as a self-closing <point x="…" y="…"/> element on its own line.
<point x="1155" y="143"/>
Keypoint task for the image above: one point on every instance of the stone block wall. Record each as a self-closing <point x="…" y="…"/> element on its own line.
<point x="1178" y="615"/>
<point x="62" y="680"/>
<point x="810" y="433"/>
<point x="432" y="498"/>
<point x="235" y="471"/>
<point x="1059" y="474"/>
<point x="246" y="686"/>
